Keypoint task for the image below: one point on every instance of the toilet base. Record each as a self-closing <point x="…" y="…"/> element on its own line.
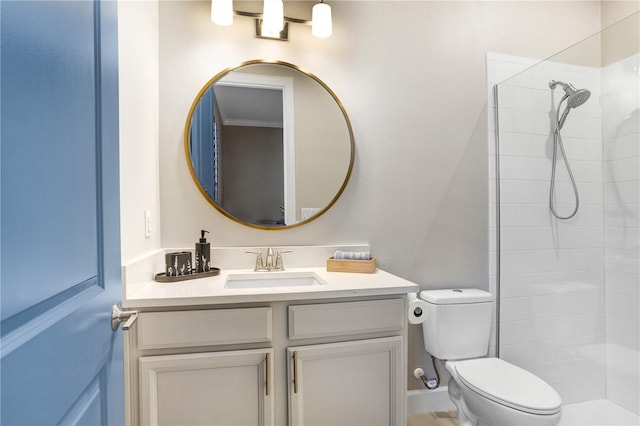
<point x="465" y="417"/>
<point x="479" y="411"/>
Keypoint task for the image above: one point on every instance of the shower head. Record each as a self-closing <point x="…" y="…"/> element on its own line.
<point x="578" y="97"/>
<point x="575" y="97"/>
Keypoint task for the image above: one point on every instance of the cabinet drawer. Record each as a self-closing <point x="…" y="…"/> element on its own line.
<point x="204" y="328"/>
<point x="347" y="318"/>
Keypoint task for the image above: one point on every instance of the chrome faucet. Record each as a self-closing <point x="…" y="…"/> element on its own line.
<point x="270" y="264"/>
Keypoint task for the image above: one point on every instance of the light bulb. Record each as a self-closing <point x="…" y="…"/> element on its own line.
<point x="222" y="12"/>
<point x="272" y="17"/>
<point x="321" y="20"/>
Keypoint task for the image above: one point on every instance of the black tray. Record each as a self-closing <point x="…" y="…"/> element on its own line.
<point x="163" y="278"/>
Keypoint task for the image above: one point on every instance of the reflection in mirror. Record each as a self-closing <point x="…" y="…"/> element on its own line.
<point x="269" y="145"/>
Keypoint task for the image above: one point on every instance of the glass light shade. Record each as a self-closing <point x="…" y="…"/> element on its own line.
<point x="321" y="20"/>
<point x="272" y="17"/>
<point x="222" y="12"/>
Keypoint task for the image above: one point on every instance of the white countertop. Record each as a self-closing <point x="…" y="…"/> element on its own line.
<point x="212" y="291"/>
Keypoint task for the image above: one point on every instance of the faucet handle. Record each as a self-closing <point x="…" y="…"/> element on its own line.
<point x="259" y="261"/>
<point x="279" y="266"/>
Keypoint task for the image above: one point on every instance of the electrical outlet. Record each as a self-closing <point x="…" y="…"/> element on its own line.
<point x="307" y="212"/>
<point x="147" y="224"/>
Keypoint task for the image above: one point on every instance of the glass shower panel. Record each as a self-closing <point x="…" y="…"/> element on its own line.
<point x="568" y="289"/>
<point x="621" y="176"/>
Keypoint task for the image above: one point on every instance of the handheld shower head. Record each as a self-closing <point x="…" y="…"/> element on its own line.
<point x="578" y="97"/>
<point x="575" y="98"/>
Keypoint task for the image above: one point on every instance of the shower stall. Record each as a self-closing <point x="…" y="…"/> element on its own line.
<point x="568" y="284"/>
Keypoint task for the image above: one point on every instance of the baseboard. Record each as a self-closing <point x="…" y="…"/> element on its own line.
<point x="425" y="401"/>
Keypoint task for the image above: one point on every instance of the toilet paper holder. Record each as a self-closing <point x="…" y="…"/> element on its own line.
<point x="417" y="309"/>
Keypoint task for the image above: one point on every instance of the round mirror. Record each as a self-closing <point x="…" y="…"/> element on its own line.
<point x="269" y="145"/>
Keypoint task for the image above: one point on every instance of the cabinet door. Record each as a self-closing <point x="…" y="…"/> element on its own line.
<point x="354" y="383"/>
<point x="214" y="388"/>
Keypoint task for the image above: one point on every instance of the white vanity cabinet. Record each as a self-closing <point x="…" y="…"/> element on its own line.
<point x="348" y="383"/>
<point x="301" y="362"/>
<point x="176" y="373"/>
<point x="354" y="382"/>
<point x="212" y="388"/>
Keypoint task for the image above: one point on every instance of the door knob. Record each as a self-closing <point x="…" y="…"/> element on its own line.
<point x="119" y="316"/>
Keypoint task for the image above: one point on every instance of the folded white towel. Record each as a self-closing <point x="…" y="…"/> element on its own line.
<point x="352" y="255"/>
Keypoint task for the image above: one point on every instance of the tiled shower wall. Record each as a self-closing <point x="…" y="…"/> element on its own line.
<point x="569" y="288"/>
<point x="621" y="174"/>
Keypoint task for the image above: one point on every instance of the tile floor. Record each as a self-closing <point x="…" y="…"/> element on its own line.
<point x="434" y="418"/>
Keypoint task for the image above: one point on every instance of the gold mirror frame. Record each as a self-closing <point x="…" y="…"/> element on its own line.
<point x="208" y="197"/>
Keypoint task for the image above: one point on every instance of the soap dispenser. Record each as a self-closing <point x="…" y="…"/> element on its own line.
<point x="203" y="253"/>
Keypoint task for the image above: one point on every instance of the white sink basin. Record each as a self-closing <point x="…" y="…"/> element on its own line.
<point x="273" y="279"/>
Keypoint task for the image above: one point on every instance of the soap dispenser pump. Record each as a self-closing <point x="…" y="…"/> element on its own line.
<point x="203" y="253"/>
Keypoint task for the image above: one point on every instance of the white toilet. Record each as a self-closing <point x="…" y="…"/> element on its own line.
<point x="486" y="391"/>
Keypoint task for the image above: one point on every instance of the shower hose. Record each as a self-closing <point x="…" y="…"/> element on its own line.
<point x="557" y="142"/>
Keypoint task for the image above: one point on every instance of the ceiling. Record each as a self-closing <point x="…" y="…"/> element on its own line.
<point x="249" y="106"/>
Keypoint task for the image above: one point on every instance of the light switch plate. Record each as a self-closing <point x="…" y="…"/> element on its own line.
<point x="147" y="224"/>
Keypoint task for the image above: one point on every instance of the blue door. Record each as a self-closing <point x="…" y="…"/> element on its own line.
<point x="61" y="363"/>
<point x="202" y="144"/>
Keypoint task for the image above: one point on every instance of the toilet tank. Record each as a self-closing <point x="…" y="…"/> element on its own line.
<point x="458" y="323"/>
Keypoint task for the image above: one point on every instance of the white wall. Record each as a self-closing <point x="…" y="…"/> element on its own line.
<point x="139" y="103"/>
<point x="616" y="10"/>
<point x="412" y="130"/>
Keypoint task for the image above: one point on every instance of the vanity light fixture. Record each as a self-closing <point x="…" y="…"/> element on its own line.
<point x="272" y="23"/>
<point x="272" y="18"/>
<point x="321" y="20"/>
<point x="222" y="12"/>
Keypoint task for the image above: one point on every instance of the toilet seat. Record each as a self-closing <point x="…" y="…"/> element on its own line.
<point x="508" y="385"/>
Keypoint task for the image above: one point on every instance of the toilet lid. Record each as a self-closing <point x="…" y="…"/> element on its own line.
<point x="509" y="385"/>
